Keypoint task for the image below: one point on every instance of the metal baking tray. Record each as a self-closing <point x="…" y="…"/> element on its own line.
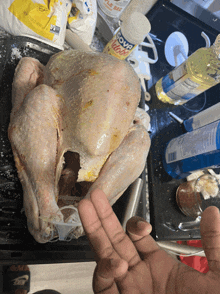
<point x="16" y="243"/>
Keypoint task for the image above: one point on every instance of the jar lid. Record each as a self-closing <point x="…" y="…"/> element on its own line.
<point x="135" y="28"/>
<point x="216" y="46"/>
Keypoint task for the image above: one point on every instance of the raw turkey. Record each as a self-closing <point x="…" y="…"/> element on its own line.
<point x="74" y="127"/>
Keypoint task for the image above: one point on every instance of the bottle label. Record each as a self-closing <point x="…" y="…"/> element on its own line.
<point x="203" y="118"/>
<point x="113" y="8"/>
<point x="178" y="84"/>
<point x="119" y="47"/>
<point x="203" y="140"/>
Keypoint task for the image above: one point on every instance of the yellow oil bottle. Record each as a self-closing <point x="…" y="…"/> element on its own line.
<point x="197" y="74"/>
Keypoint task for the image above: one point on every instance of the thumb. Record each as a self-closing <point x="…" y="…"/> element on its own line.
<point x="139" y="232"/>
<point x="210" y="234"/>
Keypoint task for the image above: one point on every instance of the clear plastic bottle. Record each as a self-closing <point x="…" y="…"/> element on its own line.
<point x="197" y="74"/>
<point x="193" y="151"/>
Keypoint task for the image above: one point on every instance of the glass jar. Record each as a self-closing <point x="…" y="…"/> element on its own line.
<point x="193" y="197"/>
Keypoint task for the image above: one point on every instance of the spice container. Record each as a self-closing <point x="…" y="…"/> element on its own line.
<point x="142" y="6"/>
<point x="193" y="197"/>
<point x="131" y="33"/>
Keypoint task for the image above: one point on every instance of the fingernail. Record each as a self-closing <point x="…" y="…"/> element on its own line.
<point x="141" y="224"/>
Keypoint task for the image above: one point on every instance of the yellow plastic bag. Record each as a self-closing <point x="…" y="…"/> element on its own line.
<point x="42" y="19"/>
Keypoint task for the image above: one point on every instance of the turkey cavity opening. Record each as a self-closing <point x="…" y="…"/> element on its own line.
<point x="71" y="192"/>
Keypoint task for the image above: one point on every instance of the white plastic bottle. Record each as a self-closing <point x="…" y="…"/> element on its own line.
<point x="131" y="33"/>
<point x="113" y="8"/>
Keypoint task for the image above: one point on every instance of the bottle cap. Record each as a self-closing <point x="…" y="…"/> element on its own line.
<point x="135" y="28"/>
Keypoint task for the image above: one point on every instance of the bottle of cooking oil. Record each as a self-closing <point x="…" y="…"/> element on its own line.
<point x="197" y="74"/>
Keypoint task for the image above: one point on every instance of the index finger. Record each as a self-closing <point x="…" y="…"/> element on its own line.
<point x="93" y="228"/>
<point x="120" y="241"/>
<point x="210" y="233"/>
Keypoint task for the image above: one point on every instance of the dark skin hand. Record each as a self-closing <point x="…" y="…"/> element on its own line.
<point x="133" y="263"/>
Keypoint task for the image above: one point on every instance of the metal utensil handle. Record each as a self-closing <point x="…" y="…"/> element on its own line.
<point x="135" y="194"/>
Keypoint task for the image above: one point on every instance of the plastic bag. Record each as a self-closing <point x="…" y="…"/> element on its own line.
<point x="199" y="263"/>
<point x="82" y="19"/>
<point x="40" y="19"/>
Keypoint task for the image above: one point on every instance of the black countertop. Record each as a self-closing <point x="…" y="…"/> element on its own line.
<point x="166" y="18"/>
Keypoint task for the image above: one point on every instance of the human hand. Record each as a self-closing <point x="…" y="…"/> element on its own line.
<point x="133" y="263"/>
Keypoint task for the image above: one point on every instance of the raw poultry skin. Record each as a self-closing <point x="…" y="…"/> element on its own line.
<point x="81" y="105"/>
